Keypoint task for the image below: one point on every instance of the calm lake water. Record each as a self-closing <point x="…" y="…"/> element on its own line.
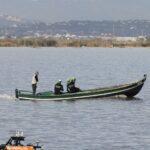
<point x="95" y="124"/>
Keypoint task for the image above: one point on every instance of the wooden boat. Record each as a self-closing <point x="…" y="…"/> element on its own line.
<point x="130" y="90"/>
<point x="15" y="143"/>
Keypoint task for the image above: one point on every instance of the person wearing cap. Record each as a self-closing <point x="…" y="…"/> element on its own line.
<point x="58" y="89"/>
<point x="71" y="88"/>
<point x="34" y="82"/>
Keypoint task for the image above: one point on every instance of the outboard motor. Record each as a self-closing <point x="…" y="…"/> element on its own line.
<point x="16" y="93"/>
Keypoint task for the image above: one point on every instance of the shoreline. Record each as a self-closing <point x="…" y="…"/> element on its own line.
<point x="110" y="42"/>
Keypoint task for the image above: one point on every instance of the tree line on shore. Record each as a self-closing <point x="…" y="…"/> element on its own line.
<point x="65" y="42"/>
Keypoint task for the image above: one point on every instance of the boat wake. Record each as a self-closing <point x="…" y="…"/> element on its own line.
<point x="6" y="96"/>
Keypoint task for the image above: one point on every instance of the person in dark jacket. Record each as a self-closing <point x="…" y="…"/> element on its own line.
<point x="58" y="89"/>
<point x="71" y="88"/>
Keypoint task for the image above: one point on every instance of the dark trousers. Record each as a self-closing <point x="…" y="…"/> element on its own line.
<point x="34" y="88"/>
<point x="73" y="89"/>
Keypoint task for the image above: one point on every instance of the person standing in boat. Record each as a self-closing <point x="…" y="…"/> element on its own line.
<point x="71" y="88"/>
<point x="58" y="89"/>
<point x="34" y="82"/>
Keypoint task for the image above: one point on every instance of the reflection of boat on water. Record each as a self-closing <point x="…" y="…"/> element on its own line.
<point x="15" y="143"/>
<point x="130" y="90"/>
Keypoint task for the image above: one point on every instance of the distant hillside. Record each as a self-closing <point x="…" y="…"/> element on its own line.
<point x="13" y="26"/>
<point x="103" y="28"/>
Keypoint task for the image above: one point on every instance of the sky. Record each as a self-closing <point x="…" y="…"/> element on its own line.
<point x="51" y="11"/>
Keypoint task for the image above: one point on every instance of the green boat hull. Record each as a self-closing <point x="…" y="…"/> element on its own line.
<point x="129" y="90"/>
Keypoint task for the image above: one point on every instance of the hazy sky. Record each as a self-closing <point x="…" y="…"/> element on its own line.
<point x="64" y="10"/>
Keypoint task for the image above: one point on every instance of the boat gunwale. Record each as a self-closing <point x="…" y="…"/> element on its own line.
<point x="106" y="94"/>
<point x="80" y="97"/>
